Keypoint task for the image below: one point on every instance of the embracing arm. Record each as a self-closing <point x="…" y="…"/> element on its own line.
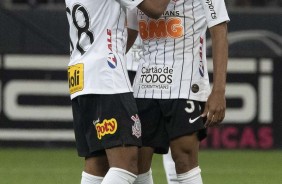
<point x="132" y="35"/>
<point x="216" y="103"/>
<point x="153" y="8"/>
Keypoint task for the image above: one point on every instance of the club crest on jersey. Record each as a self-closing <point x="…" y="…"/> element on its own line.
<point x="112" y="61"/>
<point x="136" y="128"/>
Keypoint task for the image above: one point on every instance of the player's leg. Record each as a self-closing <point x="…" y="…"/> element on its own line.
<point x="144" y="166"/>
<point x="123" y="165"/>
<point x="93" y="174"/>
<point x="186" y="129"/>
<point x="119" y="132"/>
<point x="154" y="138"/>
<point x="169" y="167"/>
<point x="83" y="123"/>
<point x="185" y="155"/>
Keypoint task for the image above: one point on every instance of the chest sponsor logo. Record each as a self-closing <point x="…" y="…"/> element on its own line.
<point x="156" y="77"/>
<point x="161" y="28"/>
<point x="76" y="78"/>
<point x="106" y="127"/>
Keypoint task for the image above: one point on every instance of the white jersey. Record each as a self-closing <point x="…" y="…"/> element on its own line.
<point x="173" y="64"/>
<point x="98" y="42"/>
<point x="134" y="54"/>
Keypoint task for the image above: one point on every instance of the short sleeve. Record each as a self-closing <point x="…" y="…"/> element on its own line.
<point x="132" y="22"/>
<point x="215" y="12"/>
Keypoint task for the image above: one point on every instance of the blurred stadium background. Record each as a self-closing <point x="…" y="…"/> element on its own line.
<point x="36" y="137"/>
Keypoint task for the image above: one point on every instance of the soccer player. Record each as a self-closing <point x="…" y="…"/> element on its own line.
<point x="106" y="125"/>
<point x="171" y="86"/>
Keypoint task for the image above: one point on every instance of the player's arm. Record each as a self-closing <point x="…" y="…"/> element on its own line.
<point x="153" y="8"/>
<point x="216" y="103"/>
<point x="132" y="35"/>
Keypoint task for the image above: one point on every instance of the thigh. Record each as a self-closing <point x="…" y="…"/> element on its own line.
<point x="153" y="129"/>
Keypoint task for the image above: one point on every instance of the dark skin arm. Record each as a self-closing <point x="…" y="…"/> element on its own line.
<point x="216" y="103"/>
<point x="132" y="35"/>
<point x="153" y="8"/>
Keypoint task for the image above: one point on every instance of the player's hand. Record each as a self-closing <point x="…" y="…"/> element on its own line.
<point x="215" y="109"/>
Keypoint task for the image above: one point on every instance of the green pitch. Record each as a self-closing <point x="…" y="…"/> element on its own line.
<point x="62" y="166"/>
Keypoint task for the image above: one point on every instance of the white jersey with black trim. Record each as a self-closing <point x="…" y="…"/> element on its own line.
<point x="134" y="54"/>
<point x="98" y="41"/>
<point x="173" y="62"/>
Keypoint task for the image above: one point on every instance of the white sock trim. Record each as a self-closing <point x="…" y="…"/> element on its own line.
<point x="119" y="176"/>
<point x="192" y="177"/>
<point x="90" y="176"/>
<point x="87" y="178"/>
<point x="148" y="173"/>
<point x="145" y="178"/>
<point x="123" y="171"/>
<point x="190" y="173"/>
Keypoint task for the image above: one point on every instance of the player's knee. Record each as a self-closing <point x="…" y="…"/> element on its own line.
<point x="133" y="164"/>
<point x="124" y="157"/>
<point x="181" y="166"/>
<point x="130" y="164"/>
<point x="96" y="166"/>
<point x="185" y="160"/>
<point x="145" y="159"/>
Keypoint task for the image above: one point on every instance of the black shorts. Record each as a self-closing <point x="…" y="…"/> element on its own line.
<point x="164" y="120"/>
<point x="105" y="121"/>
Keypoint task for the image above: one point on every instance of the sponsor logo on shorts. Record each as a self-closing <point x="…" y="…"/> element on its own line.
<point x="190" y="108"/>
<point x="112" y="61"/>
<point x="156" y="77"/>
<point x="76" y="78"/>
<point x="136" y="128"/>
<point x="106" y="127"/>
<point x="193" y="120"/>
